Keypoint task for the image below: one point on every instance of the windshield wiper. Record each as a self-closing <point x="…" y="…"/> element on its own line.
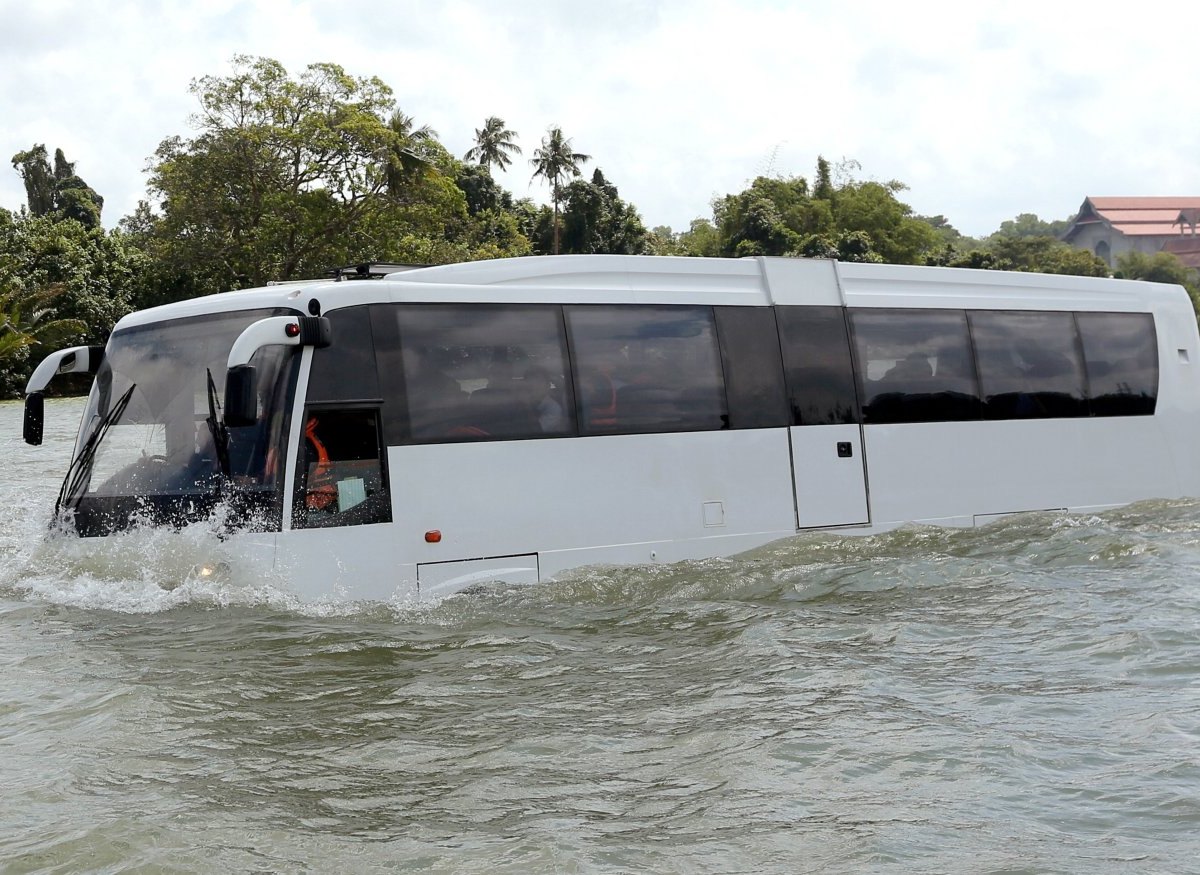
<point x="81" y="468"/>
<point x="216" y="427"/>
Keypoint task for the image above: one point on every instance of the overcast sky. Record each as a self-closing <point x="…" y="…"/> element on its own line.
<point x="983" y="113"/>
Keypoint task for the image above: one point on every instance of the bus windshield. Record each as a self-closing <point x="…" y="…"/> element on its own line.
<point x="147" y="443"/>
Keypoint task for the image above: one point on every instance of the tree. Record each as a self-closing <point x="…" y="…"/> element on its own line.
<point x="596" y="220"/>
<point x="60" y="283"/>
<point x="824" y="190"/>
<point x="555" y="162"/>
<point x="700" y="239"/>
<point x="482" y="192"/>
<point x="952" y="240"/>
<point x="875" y="209"/>
<point x="1161" y="267"/>
<point x="1029" y="225"/>
<point x="840" y="217"/>
<point x="409" y="153"/>
<point x="284" y="177"/>
<point x="34" y="168"/>
<point x="493" y="144"/>
<point x="287" y="176"/>
<point x="59" y="193"/>
<point x="27" y="320"/>
<point x="1033" y="254"/>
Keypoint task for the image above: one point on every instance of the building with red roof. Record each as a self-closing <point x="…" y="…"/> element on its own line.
<point x="1109" y="226"/>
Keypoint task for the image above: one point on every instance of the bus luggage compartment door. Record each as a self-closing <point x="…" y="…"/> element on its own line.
<point x="830" y="476"/>
<point x="439" y="579"/>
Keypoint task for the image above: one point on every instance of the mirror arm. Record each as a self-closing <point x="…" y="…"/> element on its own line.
<point x="75" y="360"/>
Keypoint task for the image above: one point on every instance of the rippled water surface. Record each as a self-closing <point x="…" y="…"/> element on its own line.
<point x="1019" y="698"/>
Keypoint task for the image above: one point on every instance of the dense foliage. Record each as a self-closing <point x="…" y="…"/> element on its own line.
<point x="1161" y="267"/>
<point x="286" y="176"/>
<point x="289" y="177"/>
<point x="60" y="283"/>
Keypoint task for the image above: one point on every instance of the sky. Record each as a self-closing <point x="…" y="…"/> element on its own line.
<point x="984" y="110"/>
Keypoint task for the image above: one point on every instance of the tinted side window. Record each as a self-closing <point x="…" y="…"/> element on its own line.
<point x="341" y="478"/>
<point x="346" y="370"/>
<point x="915" y="365"/>
<point x="753" y="369"/>
<point x="483" y="372"/>
<point x="1029" y="365"/>
<point x="816" y="356"/>
<point x="1121" y="354"/>
<point x="646" y="369"/>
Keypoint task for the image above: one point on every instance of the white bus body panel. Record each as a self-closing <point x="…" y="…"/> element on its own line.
<point x="611" y="499"/>
<point x="949" y="472"/>
<point x="437" y="579"/>
<point x="808" y="281"/>
<point x="346" y="564"/>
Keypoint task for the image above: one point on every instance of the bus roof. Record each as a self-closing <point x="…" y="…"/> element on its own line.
<point x="678" y="280"/>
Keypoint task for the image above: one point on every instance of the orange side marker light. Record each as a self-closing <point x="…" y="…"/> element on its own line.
<point x="433" y="537"/>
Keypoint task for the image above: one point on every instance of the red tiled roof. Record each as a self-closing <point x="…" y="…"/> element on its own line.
<point x="1135" y="216"/>
<point x="1155" y="229"/>
<point x="1144" y="203"/>
<point x="1164" y="203"/>
<point x="1142" y="215"/>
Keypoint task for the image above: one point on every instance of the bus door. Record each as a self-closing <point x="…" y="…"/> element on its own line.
<point x="828" y="464"/>
<point x="829" y="475"/>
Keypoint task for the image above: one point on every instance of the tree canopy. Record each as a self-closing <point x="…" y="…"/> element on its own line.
<point x="287" y="175"/>
<point x="59" y="192"/>
<point x="1029" y="225"/>
<point x="1159" y="267"/>
<point x="280" y="176"/>
<point x="60" y="283"/>
<point x="849" y="219"/>
<point x="595" y="220"/>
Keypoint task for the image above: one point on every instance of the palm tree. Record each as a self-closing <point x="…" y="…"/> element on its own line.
<point x="493" y="144"/>
<point x="26" y="320"/>
<point x="408" y="154"/>
<point x="554" y="162"/>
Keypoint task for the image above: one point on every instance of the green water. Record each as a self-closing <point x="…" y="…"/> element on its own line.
<point x="1019" y="698"/>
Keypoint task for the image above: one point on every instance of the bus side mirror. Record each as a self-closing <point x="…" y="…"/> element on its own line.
<point x="76" y="360"/>
<point x="35" y="417"/>
<point x="241" y="396"/>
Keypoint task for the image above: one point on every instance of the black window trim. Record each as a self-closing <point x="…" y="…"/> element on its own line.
<point x="395" y="429"/>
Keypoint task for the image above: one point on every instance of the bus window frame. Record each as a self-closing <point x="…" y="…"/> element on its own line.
<point x="300" y="518"/>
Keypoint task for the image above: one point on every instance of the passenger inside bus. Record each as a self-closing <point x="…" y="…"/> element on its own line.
<point x="912" y="369"/>
<point x="546" y="400"/>
<point x="435" y="398"/>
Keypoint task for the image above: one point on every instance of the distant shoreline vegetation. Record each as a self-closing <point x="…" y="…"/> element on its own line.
<point x="284" y="176"/>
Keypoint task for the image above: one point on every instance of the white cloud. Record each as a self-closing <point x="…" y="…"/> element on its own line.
<point x="983" y="113"/>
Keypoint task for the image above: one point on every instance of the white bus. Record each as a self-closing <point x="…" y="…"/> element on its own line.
<point x="418" y="433"/>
